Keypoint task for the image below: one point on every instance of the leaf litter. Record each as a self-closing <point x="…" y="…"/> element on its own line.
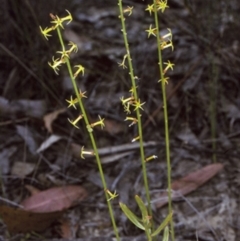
<point x="101" y="48"/>
<point x="19" y="220"/>
<point x="55" y="199"/>
<point x="42" y="208"/>
<point x="189" y="183"/>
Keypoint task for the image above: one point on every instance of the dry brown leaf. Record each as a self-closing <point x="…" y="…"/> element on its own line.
<point x="18" y="220"/>
<point x="32" y="190"/>
<point x="22" y="169"/>
<point x="67" y="230"/>
<point x="49" y="118"/>
<point x="190" y="182"/>
<point x="55" y="199"/>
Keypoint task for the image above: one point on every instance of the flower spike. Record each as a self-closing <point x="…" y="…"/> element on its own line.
<point x="82" y="94"/>
<point x="151" y="31"/>
<point x="150" y="158"/>
<point x="56" y="63"/>
<point x="100" y="122"/>
<point x="150" y="9"/>
<point x="46" y="31"/>
<point x="133" y="119"/>
<point x="169" y="66"/>
<point x="79" y="70"/>
<point x="64" y="54"/>
<point x="85" y="153"/>
<point x="135" y="138"/>
<point x="168" y="36"/>
<point x="72" y="102"/>
<point x="68" y="17"/>
<point x="165" y="80"/>
<point x="138" y="105"/>
<point x="74" y="123"/>
<point x="73" y="48"/>
<point x="111" y="195"/>
<point x="128" y="10"/>
<point x="165" y="45"/>
<point x="127" y="100"/>
<point x="122" y="64"/>
<point x="57" y="21"/>
<point x="162" y="5"/>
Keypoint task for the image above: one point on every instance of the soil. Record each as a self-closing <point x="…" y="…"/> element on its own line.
<point x="203" y="94"/>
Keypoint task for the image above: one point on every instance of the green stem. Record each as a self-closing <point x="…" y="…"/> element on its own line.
<point x="139" y="122"/>
<point x="167" y="142"/>
<point x="94" y="145"/>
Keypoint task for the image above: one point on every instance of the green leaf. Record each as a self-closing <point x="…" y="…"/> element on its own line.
<point x="166" y="234"/>
<point x="162" y="225"/>
<point x="144" y="211"/>
<point x="142" y="207"/>
<point x="131" y="216"/>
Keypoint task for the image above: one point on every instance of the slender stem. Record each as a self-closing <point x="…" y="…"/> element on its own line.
<point x="135" y="94"/>
<point x="167" y="142"/>
<point x="94" y="145"/>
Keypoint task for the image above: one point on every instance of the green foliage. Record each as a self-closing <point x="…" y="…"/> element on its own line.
<point x="144" y="222"/>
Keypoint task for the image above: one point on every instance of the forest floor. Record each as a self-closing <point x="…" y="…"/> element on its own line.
<point x="40" y="149"/>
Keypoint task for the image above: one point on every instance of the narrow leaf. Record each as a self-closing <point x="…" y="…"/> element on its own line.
<point x="166" y="234"/>
<point x="142" y="207"/>
<point x="131" y="216"/>
<point x="162" y="225"/>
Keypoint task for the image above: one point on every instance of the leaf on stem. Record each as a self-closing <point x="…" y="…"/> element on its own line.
<point x="131" y="216"/>
<point x="142" y="207"/>
<point x="162" y="225"/>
